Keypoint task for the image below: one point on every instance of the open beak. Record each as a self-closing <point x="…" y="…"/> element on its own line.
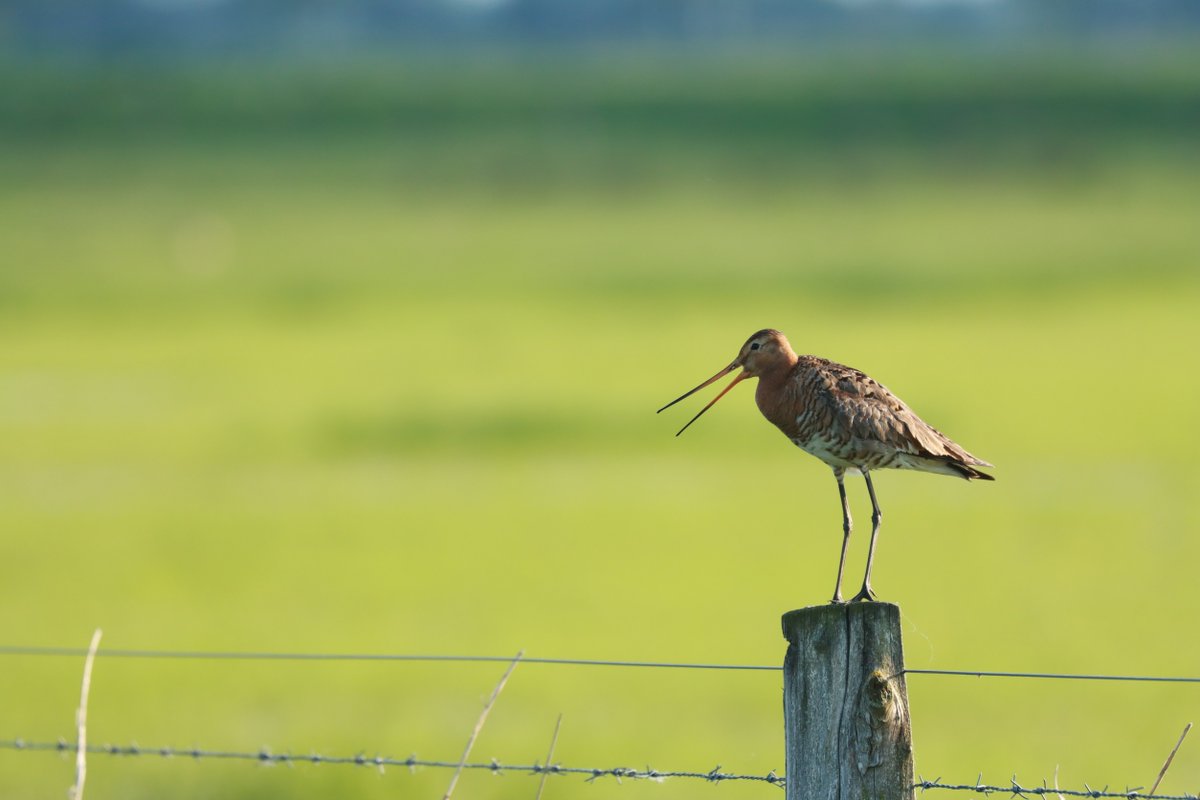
<point x="708" y="382"/>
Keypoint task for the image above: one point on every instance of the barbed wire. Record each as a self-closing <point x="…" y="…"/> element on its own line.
<point x="1015" y="789"/>
<point x="269" y="758"/>
<point x="232" y="655"/>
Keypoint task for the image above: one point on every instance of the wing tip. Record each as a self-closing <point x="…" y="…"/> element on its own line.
<point x="969" y="472"/>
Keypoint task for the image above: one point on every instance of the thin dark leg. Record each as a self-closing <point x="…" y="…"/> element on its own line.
<point x="866" y="592"/>
<point x="847" y="525"/>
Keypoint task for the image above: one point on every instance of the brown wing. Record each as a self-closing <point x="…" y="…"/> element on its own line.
<point x="877" y="425"/>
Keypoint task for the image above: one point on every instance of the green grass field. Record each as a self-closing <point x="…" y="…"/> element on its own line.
<point x="343" y="392"/>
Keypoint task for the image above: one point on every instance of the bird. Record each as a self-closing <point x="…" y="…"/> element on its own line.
<point x="845" y="418"/>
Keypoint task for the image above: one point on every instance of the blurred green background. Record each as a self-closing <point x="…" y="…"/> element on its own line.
<point x="357" y="348"/>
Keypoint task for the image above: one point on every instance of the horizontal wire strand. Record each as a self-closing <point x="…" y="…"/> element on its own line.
<point x="715" y="775"/>
<point x="269" y="656"/>
<point x="1015" y="789"/>
<point x="267" y="757"/>
<point x="1053" y="675"/>
<point x="219" y="655"/>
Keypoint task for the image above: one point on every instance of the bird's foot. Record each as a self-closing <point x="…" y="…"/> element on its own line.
<point x="837" y="600"/>
<point x="865" y="593"/>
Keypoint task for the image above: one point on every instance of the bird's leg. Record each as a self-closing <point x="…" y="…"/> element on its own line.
<point x="847" y="525"/>
<point x="876" y="515"/>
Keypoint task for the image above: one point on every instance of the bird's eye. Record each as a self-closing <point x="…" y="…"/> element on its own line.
<point x="754" y="346"/>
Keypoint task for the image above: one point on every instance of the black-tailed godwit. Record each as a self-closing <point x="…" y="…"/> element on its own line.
<point x="846" y="419"/>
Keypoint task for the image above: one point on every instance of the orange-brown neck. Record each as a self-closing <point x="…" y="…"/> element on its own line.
<point x="775" y="394"/>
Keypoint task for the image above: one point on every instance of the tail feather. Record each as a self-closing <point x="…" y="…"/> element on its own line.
<point x="969" y="472"/>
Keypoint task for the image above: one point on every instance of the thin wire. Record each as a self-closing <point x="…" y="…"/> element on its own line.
<point x="16" y="650"/>
<point x="266" y="757"/>
<point x="1017" y="790"/>
<point x="218" y="655"/>
<point x="1051" y="675"/>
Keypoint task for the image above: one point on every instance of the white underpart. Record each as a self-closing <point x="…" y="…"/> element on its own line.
<point x="823" y="447"/>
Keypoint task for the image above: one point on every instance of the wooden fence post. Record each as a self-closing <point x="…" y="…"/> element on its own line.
<point x="845" y="704"/>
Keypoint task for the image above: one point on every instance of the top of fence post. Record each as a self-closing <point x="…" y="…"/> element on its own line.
<point x="846" y="719"/>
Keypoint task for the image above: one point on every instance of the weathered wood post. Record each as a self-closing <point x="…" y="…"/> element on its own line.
<point x="845" y="705"/>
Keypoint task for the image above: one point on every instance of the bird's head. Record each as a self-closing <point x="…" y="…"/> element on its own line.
<point x="763" y="353"/>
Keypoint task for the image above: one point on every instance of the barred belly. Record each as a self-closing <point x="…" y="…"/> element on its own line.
<point x="831" y="452"/>
<point x="846" y="455"/>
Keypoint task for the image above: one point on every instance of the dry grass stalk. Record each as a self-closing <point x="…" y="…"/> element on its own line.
<point x="76" y="792"/>
<point x="479" y="724"/>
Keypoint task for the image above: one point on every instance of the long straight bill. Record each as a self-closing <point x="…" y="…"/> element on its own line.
<point x="691" y="392"/>
<point x="713" y="402"/>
